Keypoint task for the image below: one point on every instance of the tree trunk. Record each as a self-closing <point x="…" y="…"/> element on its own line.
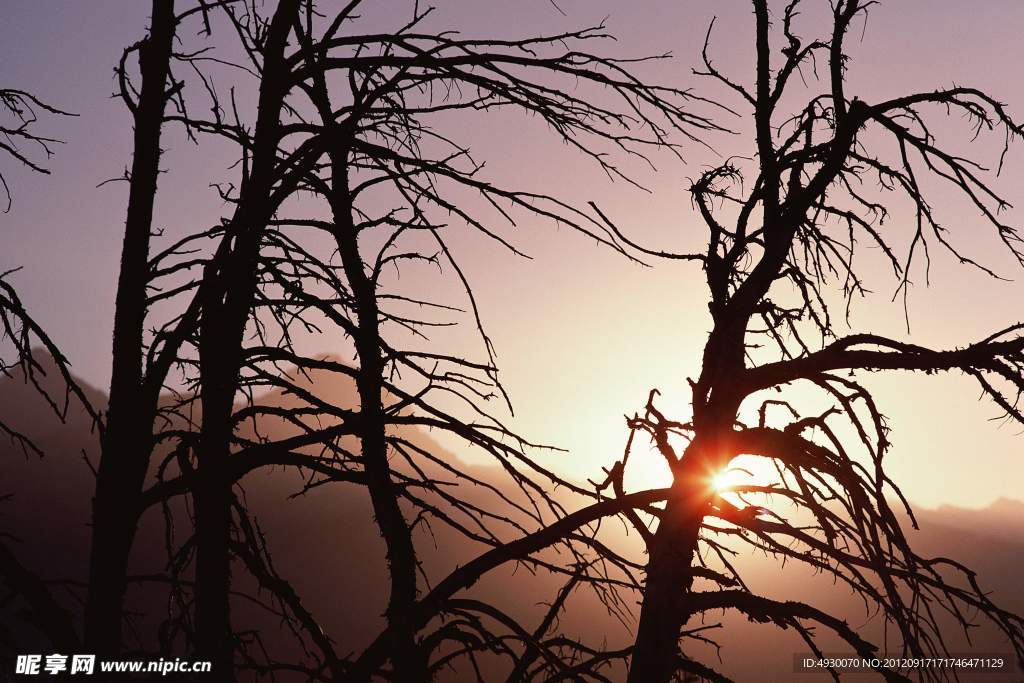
<point x="669" y="581"/>
<point x="213" y="498"/>
<point x="229" y="288"/>
<point x="127" y="441"/>
<point x="407" y="658"/>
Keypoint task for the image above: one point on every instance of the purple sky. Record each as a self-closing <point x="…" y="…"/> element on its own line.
<point x="582" y="335"/>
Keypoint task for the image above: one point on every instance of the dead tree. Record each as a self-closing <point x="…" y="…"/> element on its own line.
<point x="145" y="349"/>
<point x="260" y="276"/>
<point x="380" y="141"/>
<point x="127" y="442"/>
<point x="370" y="133"/>
<point x="782" y="231"/>
<point x="227" y="297"/>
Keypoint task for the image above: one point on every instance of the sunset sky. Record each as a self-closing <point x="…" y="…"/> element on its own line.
<point x="582" y="334"/>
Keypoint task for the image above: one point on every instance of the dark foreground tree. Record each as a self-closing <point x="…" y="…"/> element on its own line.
<point x="783" y="231"/>
<point x="349" y="179"/>
<point x="344" y="183"/>
<point x="127" y="438"/>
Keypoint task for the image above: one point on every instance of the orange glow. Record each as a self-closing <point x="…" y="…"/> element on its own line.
<point x="724" y="480"/>
<point x="745" y="470"/>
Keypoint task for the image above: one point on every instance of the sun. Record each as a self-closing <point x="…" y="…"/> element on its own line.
<point x="743" y="471"/>
<point x="725" y="480"/>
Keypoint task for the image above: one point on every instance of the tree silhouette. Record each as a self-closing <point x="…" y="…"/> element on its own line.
<point x="127" y="434"/>
<point x="342" y="127"/>
<point x="782" y="232"/>
<point x="274" y="274"/>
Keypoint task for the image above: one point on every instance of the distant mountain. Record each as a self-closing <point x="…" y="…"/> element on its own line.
<point x="325" y="543"/>
<point x="1003" y="518"/>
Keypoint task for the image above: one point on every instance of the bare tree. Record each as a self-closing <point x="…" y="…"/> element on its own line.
<point x="382" y="140"/>
<point x="262" y="278"/>
<point x="127" y="441"/>
<point x="272" y="276"/>
<point x="782" y="232"/>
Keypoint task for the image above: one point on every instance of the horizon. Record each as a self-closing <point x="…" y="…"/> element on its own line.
<point x="477" y="462"/>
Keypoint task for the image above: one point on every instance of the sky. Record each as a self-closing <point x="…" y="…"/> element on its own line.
<point x="582" y="334"/>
